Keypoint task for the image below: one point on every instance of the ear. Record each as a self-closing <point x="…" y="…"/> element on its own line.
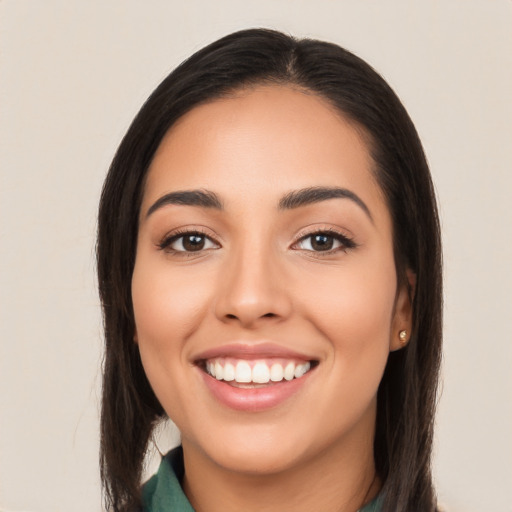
<point x="135" y="337"/>
<point x="402" y="316"/>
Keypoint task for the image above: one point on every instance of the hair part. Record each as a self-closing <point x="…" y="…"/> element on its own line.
<point x="408" y="392"/>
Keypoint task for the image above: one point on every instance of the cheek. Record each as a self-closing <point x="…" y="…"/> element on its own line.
<point x="353" y="313"/>
<point x="353" y="309"/>
<point x="167" y="306"/>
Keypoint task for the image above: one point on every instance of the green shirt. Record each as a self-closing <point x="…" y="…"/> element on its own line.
<point x="163" y="492"/>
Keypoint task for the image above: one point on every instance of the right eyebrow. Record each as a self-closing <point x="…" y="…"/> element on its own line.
<point x="201" y="198"/>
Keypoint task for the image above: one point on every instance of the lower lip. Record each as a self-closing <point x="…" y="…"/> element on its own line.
<point x="253" y="399"/>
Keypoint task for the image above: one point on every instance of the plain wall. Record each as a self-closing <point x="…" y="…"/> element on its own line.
<point x="72" y="76"/>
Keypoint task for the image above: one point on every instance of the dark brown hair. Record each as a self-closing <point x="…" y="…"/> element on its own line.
<point x="407" y="394"/>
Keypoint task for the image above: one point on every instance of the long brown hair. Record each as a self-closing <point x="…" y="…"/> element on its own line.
<point x="407" y="394"/>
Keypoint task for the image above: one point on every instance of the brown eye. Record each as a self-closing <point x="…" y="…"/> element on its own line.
<point x="193" y="242"/>
<point x="324" y="242"/>
<point x="188" y="242"/>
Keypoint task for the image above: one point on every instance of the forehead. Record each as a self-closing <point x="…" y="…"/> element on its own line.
<point x="263" y="141"/>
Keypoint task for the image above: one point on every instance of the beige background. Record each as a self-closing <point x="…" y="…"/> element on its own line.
<point x="72" y="76"/>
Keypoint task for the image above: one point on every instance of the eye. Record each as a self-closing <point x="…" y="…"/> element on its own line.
<point x="324" y="242"/>
<point x="188" y="242"/>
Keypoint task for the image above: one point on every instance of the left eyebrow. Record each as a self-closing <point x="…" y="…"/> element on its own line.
<point x="306" y="196"/>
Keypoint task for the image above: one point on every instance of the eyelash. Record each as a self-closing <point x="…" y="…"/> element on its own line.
<point x="168" y="240"/>
<point x="346" y="243"/>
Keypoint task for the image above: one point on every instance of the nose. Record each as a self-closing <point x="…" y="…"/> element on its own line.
<point x="253" y="289"/>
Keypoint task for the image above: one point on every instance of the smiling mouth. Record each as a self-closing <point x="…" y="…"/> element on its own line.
<point x="248" y="373"/>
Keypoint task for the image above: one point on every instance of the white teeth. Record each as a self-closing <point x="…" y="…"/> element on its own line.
<point x="219" y="371"/>
<point x="301" y="369"/>
<point x="260" y="373"/>
<point x="276" y="373"/>
<point x="229" y="372"/>
<point x="289" y="371"/>
<point x="243" y="372"/>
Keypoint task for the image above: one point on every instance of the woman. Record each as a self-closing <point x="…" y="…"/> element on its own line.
<point x="270" y="274"/>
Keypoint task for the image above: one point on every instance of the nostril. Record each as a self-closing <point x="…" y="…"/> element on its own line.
<point x="231" y="316"/>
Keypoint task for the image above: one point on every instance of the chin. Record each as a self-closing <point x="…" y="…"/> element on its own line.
<point x="253" y="451"/>
<point x="255" y="461"/>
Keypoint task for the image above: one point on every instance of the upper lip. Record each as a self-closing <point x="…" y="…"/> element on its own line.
<point x="241" y="350"/>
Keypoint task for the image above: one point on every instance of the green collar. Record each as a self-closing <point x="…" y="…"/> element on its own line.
<point x="163" y="492"/>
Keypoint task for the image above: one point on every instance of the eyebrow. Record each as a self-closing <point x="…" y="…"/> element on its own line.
<point x="306" y="196"/>
<point x="201" y="198"/>
<point x="290" y="201"/>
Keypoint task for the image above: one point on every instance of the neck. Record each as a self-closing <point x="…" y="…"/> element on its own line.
<point x="330" y="481"/>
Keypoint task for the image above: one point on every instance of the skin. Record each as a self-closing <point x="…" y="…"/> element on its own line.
<point x="258" y="279"/>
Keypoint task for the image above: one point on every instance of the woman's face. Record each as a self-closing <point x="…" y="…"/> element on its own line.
<point x="265" y="251"/>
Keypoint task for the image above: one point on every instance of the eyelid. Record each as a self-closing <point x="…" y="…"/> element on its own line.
<point x="175" y="234"/>
<point x="347" y="240"/>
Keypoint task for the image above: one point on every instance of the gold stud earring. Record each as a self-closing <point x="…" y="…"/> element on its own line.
<point x="403" y="336"/>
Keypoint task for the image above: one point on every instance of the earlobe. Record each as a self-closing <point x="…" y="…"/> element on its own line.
<point x="401" y="326"/>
